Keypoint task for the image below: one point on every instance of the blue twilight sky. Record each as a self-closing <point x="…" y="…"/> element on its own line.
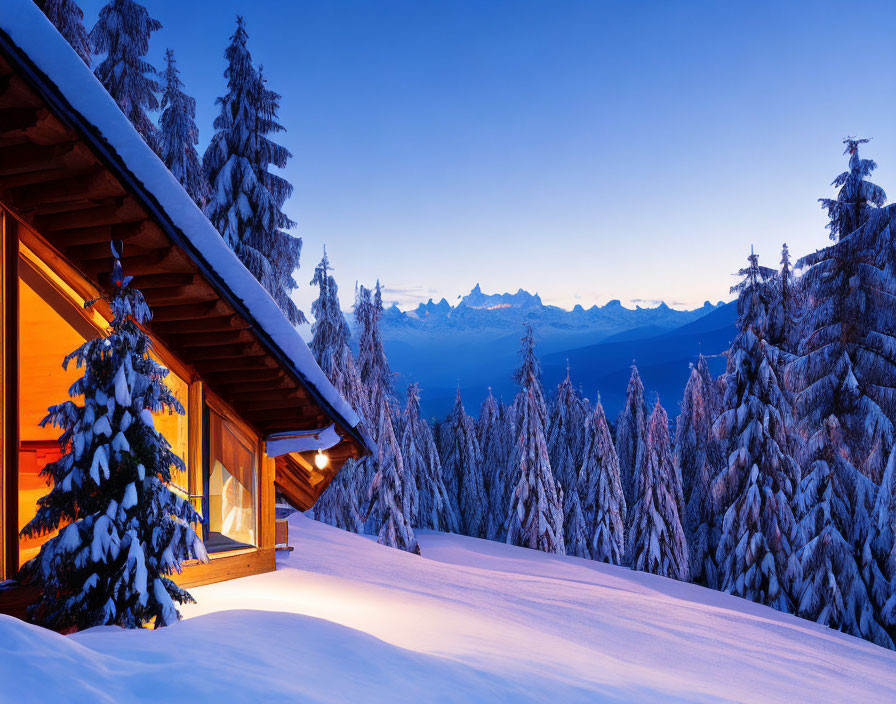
<point x="583" y="150"/>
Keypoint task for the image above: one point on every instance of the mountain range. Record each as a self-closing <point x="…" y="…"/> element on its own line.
<point x="473" y="345"/>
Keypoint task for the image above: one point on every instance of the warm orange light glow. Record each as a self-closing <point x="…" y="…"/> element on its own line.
<point x="321" y="460"/>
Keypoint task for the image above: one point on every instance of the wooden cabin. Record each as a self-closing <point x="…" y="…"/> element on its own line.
<point x="74" y="174"/>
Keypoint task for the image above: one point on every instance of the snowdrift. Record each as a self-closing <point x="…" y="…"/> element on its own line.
<point x="344" y="619"/>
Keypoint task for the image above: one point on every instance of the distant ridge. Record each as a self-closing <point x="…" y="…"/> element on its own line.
<point x="474" y="343"/>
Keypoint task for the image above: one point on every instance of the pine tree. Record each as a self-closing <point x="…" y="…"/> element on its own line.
<point x="631" y="435"/>
<point x="127" y="531"/>
<point x="68" y="18"/>
<point x="178" y="135"/>
<point x="698" y="456"/>
<point x="857" y="198"/>
<point x="600" y="490"/>
<point x="657" y="542"/>
<point x="840" y="581"/>
<point x="755" y="491"/>
<point x="535" y="519"/>
<point x="373" y="365"/>
<point x="784" y="316"/>
<point x="388" y="501"/>
<point x="245" y="200"/>
<point x="464" y="461"/>
<point x="693" y="432"/>
<point x="884" y="544"/>
<point x="121" y="34"/>
<point x="435" y="509"/>
<point x="330" y="339"/>
<point x="413" y="457"/>
<point x="566" y="434"/>
<point x="845" y="384"/>
<point x="489" y="431"/>
<point x="574" y="528"/>
<point x="844" y="366"/>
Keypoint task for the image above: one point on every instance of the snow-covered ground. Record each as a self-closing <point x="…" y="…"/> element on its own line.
<point x="347" y="620"/>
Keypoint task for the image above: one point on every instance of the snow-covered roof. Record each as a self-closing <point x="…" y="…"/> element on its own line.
<point x="35" y="37"/>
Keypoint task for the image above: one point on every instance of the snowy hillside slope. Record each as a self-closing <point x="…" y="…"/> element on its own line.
<point x="344" y="619"/>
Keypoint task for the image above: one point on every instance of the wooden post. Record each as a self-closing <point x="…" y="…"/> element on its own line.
<point x="195" y="439"/>
<point x="266" y="498"/>
<point x="9" y="481"/>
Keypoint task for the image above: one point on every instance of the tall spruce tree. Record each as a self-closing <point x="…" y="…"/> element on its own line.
<point x="415" y="469"/>
<point x="574" y="527"/>
<point x="127" y="531"/>
<point x="566" y="434"/>
<point x="331" y="337"/>
<point x="600" y="490"/>
<point x="698" y="456"/>
<point x="657" y="542"/>
<point x="121" y="35"/>
<point x="884" y="545"/>
<point x="857" y="198"/>
<point x="493" y="446"/>
<point x="535" y="518"/>
<point x="845" y="384"/>
<point x="435" y="508"/>
<point x="388" y="496"/>
<point x="68" y="18"/>
<point x="178" y="135"/>
<point x="841" y="587"/>
<point x="631" y="435"/>
<point x="754" y="492"/>
<point x="464" y="461"/>
<point x="245" y="199"/>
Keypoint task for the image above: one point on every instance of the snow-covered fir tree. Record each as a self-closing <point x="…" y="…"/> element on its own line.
<point x="698" y="456"/>
<point x="121" y="35"/>
<point x="330" y="339"/>
<point x="566" y="434"/>
<point x="245" y="200"/>
<point x="435" y="508"/>
<point x="373" y="366"/>
<point x="68" y="18"/>
<point x="600" y="490"/>
<point x="376" y="381"/>
<point x="857" y="197"/>
<point x="844" y="379"/>
<point x="783" y="326"/>
<point x="841" y="587"/>
<point x="493" y="445"/>
<point x="535" y="518"/>
<point x="178" y="135"/>
<point x="463" y="460"/>
<point x="126" y="530"/>
<point x="657" y="542"/>
<point x="884" y="545"/>
<point x="754" y="491"/>
<point x="843" y="368"/>
<point x="388" y="502"/>
<point x="415" y="468"/>
<point x="631" y="435"/>
<point x="574" y="528"/>
<point x="694" y="438"/>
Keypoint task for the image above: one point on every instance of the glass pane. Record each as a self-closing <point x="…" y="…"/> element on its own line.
<point x="231" y="487"/>
<point x="46" y="336"/>
<point x="175" y="429"/>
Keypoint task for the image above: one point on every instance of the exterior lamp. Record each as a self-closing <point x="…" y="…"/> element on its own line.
<point x="321" y="460"/>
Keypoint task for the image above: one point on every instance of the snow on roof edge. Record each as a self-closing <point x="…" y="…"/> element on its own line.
<point x="37" y="38"/>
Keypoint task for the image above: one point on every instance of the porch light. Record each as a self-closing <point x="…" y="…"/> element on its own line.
<point x="321" y="460"/>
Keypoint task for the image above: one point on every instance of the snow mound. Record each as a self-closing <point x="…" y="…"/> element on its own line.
<point x="345" y="619"/>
